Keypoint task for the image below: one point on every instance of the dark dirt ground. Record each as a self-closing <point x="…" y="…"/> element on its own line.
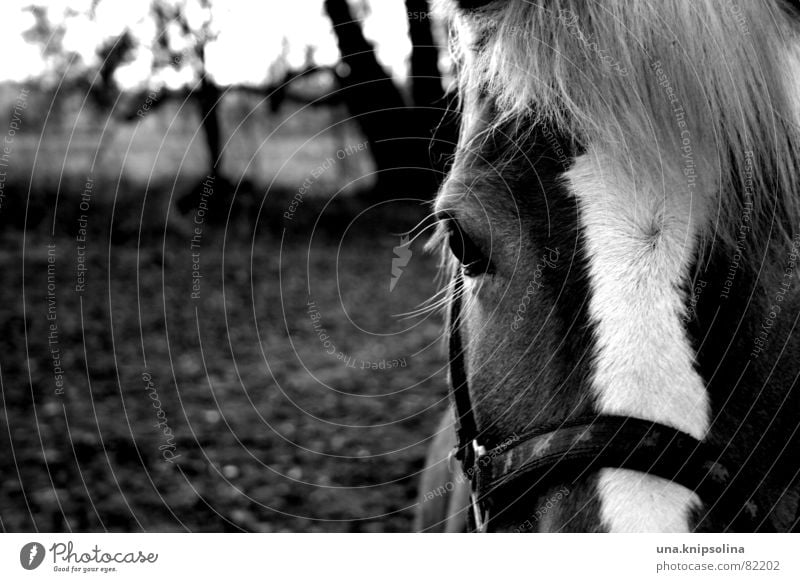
<point x="270" y="432"/>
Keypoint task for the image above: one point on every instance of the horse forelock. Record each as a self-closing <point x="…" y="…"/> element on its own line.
<point x="698" y="97"/>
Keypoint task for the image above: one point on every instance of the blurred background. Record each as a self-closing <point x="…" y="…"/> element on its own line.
<point x="216" y="307"/>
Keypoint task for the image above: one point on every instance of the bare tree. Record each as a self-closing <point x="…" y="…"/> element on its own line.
<point x="113" y="53"/>
<point x="67" y="72"/>
<point x="398" y="131"/>
<point x="206" y="94"/>
<point x="426" y="79"/>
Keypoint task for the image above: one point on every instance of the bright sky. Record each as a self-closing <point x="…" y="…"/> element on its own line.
<point x="251" y="35"/>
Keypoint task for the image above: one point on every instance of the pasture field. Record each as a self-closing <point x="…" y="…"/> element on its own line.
<point x="270" y="432"/>
<point x="256" y="376"/>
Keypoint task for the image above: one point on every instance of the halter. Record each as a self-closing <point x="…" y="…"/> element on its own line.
<point x="570" y="450"/>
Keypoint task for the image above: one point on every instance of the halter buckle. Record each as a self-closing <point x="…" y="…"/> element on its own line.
<point x="479" y="514"/>
<point x="481" y="518"/>
<point x="478" y="450"/>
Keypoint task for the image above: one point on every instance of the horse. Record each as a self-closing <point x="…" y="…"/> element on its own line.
<point x="620" y="229"/>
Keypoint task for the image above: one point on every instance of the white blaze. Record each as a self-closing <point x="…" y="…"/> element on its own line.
<point x="640" y="245"/>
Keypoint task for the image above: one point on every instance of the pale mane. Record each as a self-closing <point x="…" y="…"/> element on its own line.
<point x="703" y="89"/>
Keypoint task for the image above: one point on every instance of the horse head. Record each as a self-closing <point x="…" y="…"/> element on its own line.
<point x="620" y="225"/>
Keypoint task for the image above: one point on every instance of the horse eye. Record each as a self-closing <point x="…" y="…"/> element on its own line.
<point x="473" y="261"/>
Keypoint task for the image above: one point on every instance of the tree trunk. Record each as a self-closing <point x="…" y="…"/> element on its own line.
<point x="432" y="103"/>
<point x="208" y="96"/>
<point x="426" y="79"/>
<point x="395" y="135"/>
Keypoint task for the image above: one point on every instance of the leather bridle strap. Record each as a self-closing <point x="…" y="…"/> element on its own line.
<point x="568" y="451"/>
<point x="574" y="450"/>
<point x="466" y="427"/>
